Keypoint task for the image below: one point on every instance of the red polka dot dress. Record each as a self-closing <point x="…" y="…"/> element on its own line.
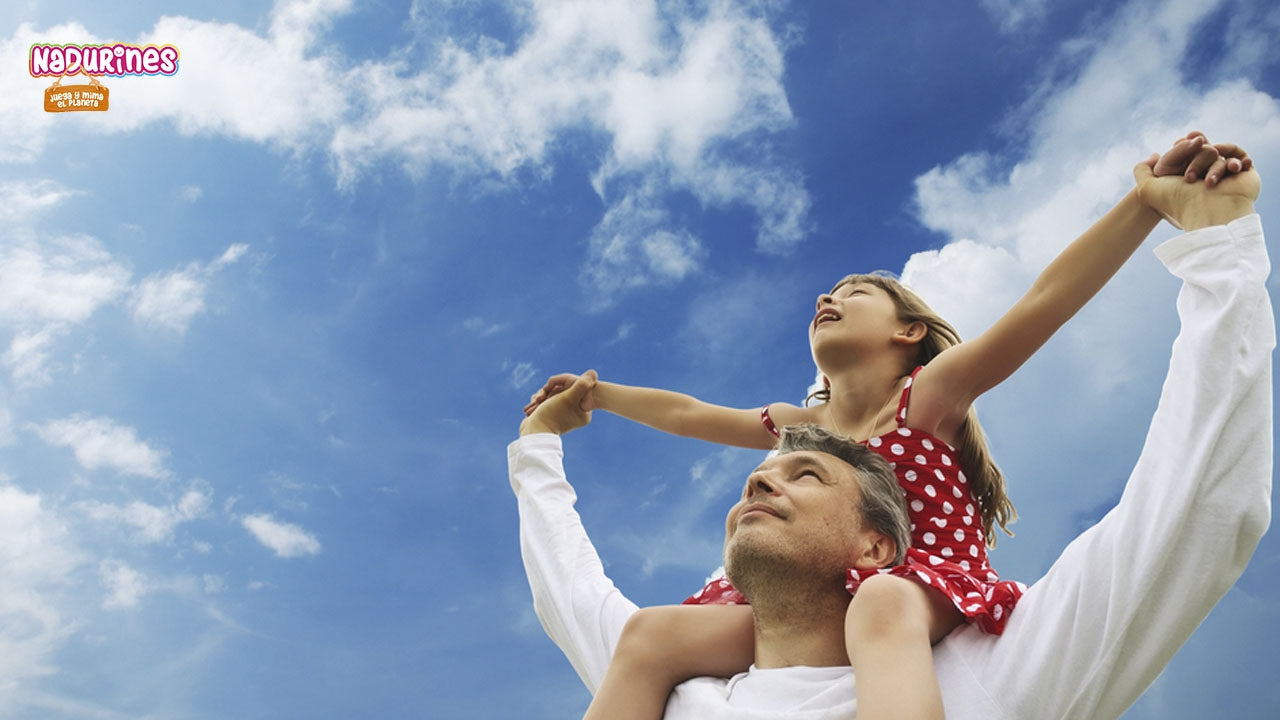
<point x="948" y="550"/>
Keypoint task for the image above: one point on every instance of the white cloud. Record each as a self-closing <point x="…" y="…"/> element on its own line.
<point x="101" y="443"/>
<point x="284" y="539"/>
<point x="170" y="300"/>
<point x="61" y="279"/>
<point x="1015" y="15"/>
<point x="124" y="586"/>
<point x="190" y="193"/>
<point x="37" y="557"/>
<point x="522" y="374"/>
<point x="685" y="99"/>
<point x="150" y="523"/>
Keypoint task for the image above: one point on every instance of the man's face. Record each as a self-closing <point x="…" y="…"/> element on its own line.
<point x="799" y="508"/>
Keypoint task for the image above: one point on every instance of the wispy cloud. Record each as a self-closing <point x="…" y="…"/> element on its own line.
<point x="102" y="443"/>
<point x="124" y="586"/>
<point x="150" y="523"/>
<point x="170" y="300"/>
<point x="286" y="540"/>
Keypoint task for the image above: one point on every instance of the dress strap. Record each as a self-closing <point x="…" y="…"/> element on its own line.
<point x="768" y="422"/>
<point x="901" y="417"/>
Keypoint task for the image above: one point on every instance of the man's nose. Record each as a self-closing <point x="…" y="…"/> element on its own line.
<point x="759" y="482"/>
<point x="823" y="300"/>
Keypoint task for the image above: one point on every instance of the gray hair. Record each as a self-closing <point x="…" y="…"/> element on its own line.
<point x="882" y="507"/>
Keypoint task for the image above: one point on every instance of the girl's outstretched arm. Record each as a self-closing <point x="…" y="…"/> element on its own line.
<point x="956" y="377"/>
<point x="674" y="412"/>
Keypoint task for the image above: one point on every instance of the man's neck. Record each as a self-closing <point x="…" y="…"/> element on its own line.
<point x="796" y="631"/>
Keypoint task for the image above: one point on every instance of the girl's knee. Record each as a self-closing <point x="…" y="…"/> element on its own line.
<point x="887" y="603"/>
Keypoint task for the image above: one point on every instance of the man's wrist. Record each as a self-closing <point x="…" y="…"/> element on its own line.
<point x="533" y="425"/>
<point x="1202" y="216"/>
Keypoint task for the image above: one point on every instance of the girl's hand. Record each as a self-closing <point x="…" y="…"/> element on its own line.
<point x="555" y="385"/>
<point x="1194" y="205"/>
<point x="1194" y="158"/>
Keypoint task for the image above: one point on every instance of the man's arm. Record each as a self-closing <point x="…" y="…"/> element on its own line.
<point x="1127" y="594"/>
<point x="577" y="604"/>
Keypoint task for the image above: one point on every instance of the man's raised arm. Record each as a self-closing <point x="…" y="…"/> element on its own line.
<point x="1088" y="638"/>
<point x="578" y="605"/>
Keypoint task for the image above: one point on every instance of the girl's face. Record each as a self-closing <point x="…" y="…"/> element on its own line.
<point x="857" y="312"/>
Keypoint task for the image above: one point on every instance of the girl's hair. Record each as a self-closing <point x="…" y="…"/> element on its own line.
<point x="986" y="480"/>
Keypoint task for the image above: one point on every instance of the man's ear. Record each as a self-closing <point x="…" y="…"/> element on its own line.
<point x="911" y="333"/>
<point x="879" y="551"/>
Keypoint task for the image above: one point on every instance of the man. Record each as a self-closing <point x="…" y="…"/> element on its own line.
<point x="1088" y="637"/>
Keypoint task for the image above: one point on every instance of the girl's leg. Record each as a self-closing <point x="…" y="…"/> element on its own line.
<point x="890" y="629"/>
<point x="661" y="647"/>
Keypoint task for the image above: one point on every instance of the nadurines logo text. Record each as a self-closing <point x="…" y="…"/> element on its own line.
<point x="95" y="61"/>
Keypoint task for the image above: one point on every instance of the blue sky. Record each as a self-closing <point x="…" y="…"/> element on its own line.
<point x="266" y="325"/>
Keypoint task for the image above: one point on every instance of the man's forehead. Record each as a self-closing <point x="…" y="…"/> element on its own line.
<point x="796" y="459"/>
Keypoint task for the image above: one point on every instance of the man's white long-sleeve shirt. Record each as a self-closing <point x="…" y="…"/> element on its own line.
<point x="1091" y="635"/>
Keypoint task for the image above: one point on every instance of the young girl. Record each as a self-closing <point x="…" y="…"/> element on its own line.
<point x="897" y="378"/>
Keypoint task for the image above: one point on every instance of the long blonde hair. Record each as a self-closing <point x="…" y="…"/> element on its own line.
<point x="986" y="480"/>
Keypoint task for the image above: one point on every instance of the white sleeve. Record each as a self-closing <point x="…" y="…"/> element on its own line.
<point x="577" y="604"/>
<point x="1089" y="637"/>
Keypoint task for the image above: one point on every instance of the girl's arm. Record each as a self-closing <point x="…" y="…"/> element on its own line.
<point x="677" y="413"/>
<point x="951" y="382"/>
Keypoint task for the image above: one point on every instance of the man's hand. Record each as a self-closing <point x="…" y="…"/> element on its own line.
<point x="562" y="411"/>
<point x="1193" y="205"/>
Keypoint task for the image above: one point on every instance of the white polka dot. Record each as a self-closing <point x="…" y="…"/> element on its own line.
<point x="940" y="522"/>
<point x="969" y="508"/>
<point x="928" y="490"/>
<point x="973" y="550"/>
<point x="974" y="608"/>
<point x="998" y="612"/>
<point x="948" y="508"/>
<point x="938" y="474"/>
<point x="910" y="475"/>
<point x="946" y="459"/>
<point x="902" y="490"/>
<point x="989" y="591"/>
<point x="904" y="432"/>
<point x="902" y="413"/>
<point x="893" y="466"/>
<point x="927" y="443"/>
<point x="955" y="490"/>
<point x="724" y="583"/>
<point x="909" y="381"/>
<point x="973" y="594"/>
<point x="874" y="442"/>
<point x="959" y="535"/>
<point x="992" y="577"/>
<point x="732" y="602"/>
<point x="947" y="552"/>
<point x="896" y="449"/>
<point x="960" y="475"/>
<point x="968" y="519"/>
<point x="929" y="538"/>
<point x="917" y="505"/>
<point x="1021" y="587"/>
<point x="924" y="576"/>
<point x="920" y="460"/>
<point x="965" y="564"/>
<point x="934" y="560"/>
<point x="913" y="527"/>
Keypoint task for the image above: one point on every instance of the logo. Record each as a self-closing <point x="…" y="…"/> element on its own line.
<point x="94" y="61"/>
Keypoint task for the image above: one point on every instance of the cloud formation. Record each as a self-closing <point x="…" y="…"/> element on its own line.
<point x="686" y="100"/>
<point x="101" y="443"/>
<point x="170" y="300"/>
<point x="286" y="540"/>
